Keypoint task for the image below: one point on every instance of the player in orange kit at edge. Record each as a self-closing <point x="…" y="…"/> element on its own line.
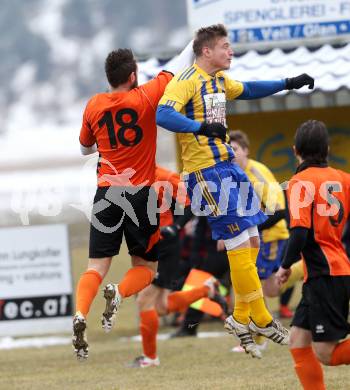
<point x="121" y="123"/>
<point x="319" y="205"/>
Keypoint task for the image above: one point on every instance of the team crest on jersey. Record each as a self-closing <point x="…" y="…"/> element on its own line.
<point x="215" y="107"/>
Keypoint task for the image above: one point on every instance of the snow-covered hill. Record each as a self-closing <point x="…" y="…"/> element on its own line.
<point x="53" y="52"/>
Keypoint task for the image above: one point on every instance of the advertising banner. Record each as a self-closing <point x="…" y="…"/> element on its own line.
<point x="274" y="21"/>
<point x="35" y="280"/>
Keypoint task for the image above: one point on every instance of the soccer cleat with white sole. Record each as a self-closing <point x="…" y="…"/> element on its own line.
<point x="274" y="331"/>
<point x="262" y="347"/>
<point x="244" y="335"/>
<point x="113" y="301"/>
<point x="79" y="339"/>
<point x="144" y="362"/>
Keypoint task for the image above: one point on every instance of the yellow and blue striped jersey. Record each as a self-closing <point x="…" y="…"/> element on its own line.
<point x="271" y="196"/>
<point x="201" y="97"/>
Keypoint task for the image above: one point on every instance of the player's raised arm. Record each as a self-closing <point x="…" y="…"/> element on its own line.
<point x="154" y="89"/>
<point x="247" y="90"/>
<point x="181" y="61"/>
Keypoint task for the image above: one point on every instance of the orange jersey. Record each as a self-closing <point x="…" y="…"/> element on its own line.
<point x="171" y="188"/>
<point x="123" y="125"/>
<point x="319" y="199"/>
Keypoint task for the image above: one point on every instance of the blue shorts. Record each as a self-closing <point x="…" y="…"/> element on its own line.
<point x="224" y="194"/>
<point x="270" y="257"/>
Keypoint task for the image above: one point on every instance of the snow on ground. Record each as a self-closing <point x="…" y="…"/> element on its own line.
<point x="25" y="147"/>
<point x="32" y="342"/>
<point x="42" y="173"/>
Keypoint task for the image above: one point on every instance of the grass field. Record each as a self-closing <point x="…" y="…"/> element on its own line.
<point x="188" y="363"/>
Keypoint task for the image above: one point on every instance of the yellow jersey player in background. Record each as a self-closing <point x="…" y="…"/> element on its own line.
<point x="273" y="232"/>
<point x="194" y="106"/>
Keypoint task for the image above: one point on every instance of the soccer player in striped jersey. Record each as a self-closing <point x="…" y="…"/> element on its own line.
<point x="193" y="105"/>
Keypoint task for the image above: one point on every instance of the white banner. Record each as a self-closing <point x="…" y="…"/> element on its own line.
<point x="268" y="21"/>
<point x="35" y="280"/>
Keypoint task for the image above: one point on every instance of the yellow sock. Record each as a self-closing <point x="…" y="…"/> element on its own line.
<point x="296" y="275"/>
<point x="259" y="313"/>
<point x="241" y="311"/>
<point x="247" y="287"/>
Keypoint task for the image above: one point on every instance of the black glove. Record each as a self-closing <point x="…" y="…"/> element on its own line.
<point x="170" y="231"/>
<point x="299" y="81"/>
<point x="214" y="130"/>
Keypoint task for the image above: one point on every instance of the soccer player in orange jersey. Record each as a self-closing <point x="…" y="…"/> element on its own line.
<point x="121" y="124"/>
<point x="319" y="205"/>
